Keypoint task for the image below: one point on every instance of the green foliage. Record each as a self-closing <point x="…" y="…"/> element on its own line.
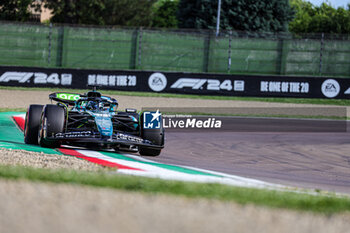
<point x="102" y="12"/>
<point x="165" y="14"/>
<point x="314" y="19"/>
<point x="128" y="12"/>
<point x="245" y="15"/>
<point x="76" y="12"/>
<point x="15" y="10"/>
<point x="196" y="14"/>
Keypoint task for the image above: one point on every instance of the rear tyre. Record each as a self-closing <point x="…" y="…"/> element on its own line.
<point x="156" y="136"/>
<point x="31" y="126"/>
<point x="51" y="123"/>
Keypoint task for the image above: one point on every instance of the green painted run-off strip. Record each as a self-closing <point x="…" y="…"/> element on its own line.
<point x="12" y="138"/>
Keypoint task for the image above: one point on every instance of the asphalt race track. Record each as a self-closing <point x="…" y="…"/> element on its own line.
<point x="303" y="153"/>
<point x="316" y="160"/>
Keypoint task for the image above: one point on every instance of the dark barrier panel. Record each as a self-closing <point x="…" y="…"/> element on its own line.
<point x="183" y="83"/>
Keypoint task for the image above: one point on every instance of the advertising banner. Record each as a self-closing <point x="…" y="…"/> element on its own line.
<point x="177" y="82"/>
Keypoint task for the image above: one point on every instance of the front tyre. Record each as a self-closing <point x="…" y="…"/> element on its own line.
<point x="51" y="123"/>
<point x="32" y="122"/>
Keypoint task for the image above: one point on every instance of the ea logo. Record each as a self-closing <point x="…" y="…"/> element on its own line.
<point x="330" y="88"/>
<point x="157" y="81"/>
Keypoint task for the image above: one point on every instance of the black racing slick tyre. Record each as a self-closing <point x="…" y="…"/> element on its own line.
<point x="31" y="125"/>
<point x="156" y="136"/>
<point x="51" y="123"/>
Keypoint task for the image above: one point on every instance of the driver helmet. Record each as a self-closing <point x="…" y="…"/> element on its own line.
<point x="103" y="106"/>
<point x="91" y="105"/>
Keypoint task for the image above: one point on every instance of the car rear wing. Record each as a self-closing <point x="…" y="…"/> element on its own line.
<point x="64" y="97"/>
<point x="72" y="98"/>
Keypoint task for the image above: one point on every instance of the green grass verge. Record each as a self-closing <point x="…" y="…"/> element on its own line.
<point x="151" y="94"/>
<point x="276" y="199"/>
<point x="13" y="110"/>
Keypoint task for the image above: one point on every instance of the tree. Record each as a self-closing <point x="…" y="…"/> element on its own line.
<point x="196" y="14"/>
<point x="165" y="14"/>
<point x="17" y="10"/>
<point x="304" y="13"/>
<point x="76" y="12"/>
<point x="322" y="19"/>
<point x="245" y="15"/>
<point x="102" y="12"/>
<point x="128" y="12"/>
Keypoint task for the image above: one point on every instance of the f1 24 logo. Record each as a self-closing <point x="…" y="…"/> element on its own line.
<point x="39" y="78"/>
<point x="211" y="84"/>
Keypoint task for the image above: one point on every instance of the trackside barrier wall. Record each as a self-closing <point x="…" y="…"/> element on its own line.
<point x="176" y="82"/>
<point x="62" y="46"/>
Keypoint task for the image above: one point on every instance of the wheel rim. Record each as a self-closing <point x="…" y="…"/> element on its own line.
<point x="42" y="130"/>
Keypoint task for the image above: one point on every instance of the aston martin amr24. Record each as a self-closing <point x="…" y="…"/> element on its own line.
<point x="92" y="120"/>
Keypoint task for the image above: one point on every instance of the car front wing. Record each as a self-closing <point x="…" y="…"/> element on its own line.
<point x="119" y="138"/>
